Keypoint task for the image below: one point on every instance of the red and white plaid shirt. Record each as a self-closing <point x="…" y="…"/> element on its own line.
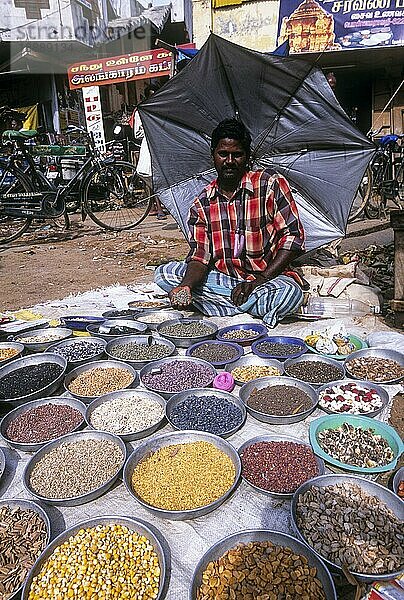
<point x="262" y="208"/>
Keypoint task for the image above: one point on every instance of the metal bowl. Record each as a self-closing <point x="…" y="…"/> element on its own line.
<point x="141" y="340"/>
<point x="24" y="504"/>
<point x="35" y="359"/>
<point x="276" y="438"/>
<point x="180" y="437"/>
<point x="132" y="524"/>
<point x="70" y="438"/>
<point x="377" y="353"/>
<point x="157" y="304"/>
<point x="260" y="329"/>
<point x="79" y="322"/>
<point x="314" y="358"/>
<point x="72" y="364"/>
<point x="16" y="346"/>
<point x="366" y="384"/>
<point x="399" y="476"/>
<point x="126" y="313"/>
<point x="99" y="364"/>
<point x="263" y="535"/>
<point x="218" y="363"/>
<point x="2" y="462"/>
<point x="137" y="435"/>
<point x="33" y="447"/>
<point x="63" y="334"/>
<point x="253" y="360"/>
<point x="201" y="392"/>
<point x="301" y="347"/>
<point x="392" y="501"/>
<point x="160" y="316"/>
<point x="135" y="325"/>
<point x="186" y="342"/>
<point x="264" y="382"/>
<point x="159" y="363"/>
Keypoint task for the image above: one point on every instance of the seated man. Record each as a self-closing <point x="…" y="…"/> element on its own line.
<point x="244" y="232"/>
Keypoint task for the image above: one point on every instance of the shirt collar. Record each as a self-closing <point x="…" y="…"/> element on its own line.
<point x="212" y="190"/>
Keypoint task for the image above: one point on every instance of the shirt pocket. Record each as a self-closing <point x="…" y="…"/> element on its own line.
<point x="254" y="242"/>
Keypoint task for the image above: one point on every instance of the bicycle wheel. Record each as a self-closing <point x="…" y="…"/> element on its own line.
<point x="12" y="181"/>
<point x="115" y="197"/>
<point x="362" y="196"/>
<point x="375" y="205"/>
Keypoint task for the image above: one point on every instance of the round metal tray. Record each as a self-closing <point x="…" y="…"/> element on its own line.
<point x="2" y="462"/>
<point x="300" y="345"/>
<point x="263" y="535"/>
<point x="137" y="435"/>
<point x="200" y="392"/>
<point x="314" y="358"/>
<point x="252" y="359"/>
<point x="99" y="364"/>
<point x="141" y="340"/>
<point x="72" y="364"/>
<point x="158" y="363"/>
<point x="79" y="323"/>
<point x="33" y="447"/>
<point x="69" y="438"/>
<point x="186" y="342"/>
<point x="135" y="325"/>
<point x="276" y="438"/>
<point x="218" y="363"/>
<point x="64" y="333"/>
<point x="127" y="313"/>
<point x="264" y="382"/>
<point x="168" y="314"/>
<point x="258" y="327"/>
<point x="180" y="437"/>
<point x="377" y="353"/>
<point x="392" y="501"/>
<point x="16" y="345"/>
<point x="24" y="504"/>
<point x="366" y="384"/>
<point x="399" y="476"/>
<point x="160" y="303"/>
<point x="35" y="359"/>
<point x="132" y="524"/>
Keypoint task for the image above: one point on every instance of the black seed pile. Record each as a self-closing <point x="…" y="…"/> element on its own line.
<point x="206" y="413"/>
<point x="215" y="352"/>
<point x="314" y="371"/>
<point x="279" y="400"/>
<point x="278" y="348"/>
<point x="29" y="379"/>
<point x="118" y="313"/>
<point x="80" y="350"/>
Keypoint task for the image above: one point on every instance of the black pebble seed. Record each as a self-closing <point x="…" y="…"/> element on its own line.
<point x="206" y="413"/>
<point x="29" y="379"/>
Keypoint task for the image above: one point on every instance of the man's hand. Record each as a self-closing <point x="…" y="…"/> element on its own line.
<point x="242" y="291"/>
<point x="180" y="296"/>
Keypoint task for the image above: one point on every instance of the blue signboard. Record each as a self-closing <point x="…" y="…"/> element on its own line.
<point x="329" y="25"/>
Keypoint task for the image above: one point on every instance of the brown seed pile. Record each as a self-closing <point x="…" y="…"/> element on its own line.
<point x="347" y="525"/>
<point x="374" y="368"/>
<point x="260" y="571"/>
<point x="279" y="400"/>
<point x="250" y="372"/>
<point x="22" y="539"/>
<point x="99" y="381"/>
<point x="184" y="476"/>
<point x="8" y="353"/>
<point x="43" y="423"/>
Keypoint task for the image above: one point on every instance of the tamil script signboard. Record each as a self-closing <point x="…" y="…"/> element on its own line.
<point x="327" y="25"/>
<point x="93" y="116"/>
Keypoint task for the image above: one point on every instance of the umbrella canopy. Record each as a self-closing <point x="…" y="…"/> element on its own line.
<point x="296" y="123"/>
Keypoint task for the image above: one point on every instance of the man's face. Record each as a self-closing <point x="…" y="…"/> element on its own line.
<point x="230" y="161"/>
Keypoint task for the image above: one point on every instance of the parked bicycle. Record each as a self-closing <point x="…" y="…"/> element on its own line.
<point x="109" y="191"/>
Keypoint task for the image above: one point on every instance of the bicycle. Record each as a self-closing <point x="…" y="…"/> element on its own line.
<point x="109" y="191"/>
<point x="387" y="177"/>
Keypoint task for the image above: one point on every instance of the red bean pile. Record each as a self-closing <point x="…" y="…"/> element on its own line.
<point x="279" y="400"/>
<point x="43" y="423"/>
<point x="279" y="467"/>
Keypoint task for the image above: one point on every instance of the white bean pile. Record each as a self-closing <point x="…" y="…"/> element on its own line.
<point x="127" y="415"/>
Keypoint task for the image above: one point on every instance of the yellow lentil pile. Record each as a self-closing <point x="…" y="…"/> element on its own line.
<point x="100" y="563"/>
<point x="184" y="476"/>
<point x="7" y="353"/>
<point x="250" y="372"/>
<point x="260" y="570"/>
<point x="99" y="381"/>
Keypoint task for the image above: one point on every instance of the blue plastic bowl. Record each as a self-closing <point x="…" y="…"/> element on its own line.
<point x="380" y="428"/>
<point x="301" y="347"/>
<point x="80" y="323"/>
<point x="219" y="363"/>
<point x="260" y="329"/>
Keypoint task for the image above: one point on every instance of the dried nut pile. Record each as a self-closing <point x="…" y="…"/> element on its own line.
<point x="6" y="353"/>
<point x="134" y="351"/>
<point x="79" y="350"/>
<point x="347" y="525"/>
<point x="76" y="468"/>
<point x="43" y="423"/>
<point x="106" y="561"/>
<point x="356" y="446"/>
<point x="279" y="400"/>
<point x="100" y="380"/>
<point x="314" y="371"/>
<point x="179" y="375"/>
<point x="240" y="334"/>
<point x="260" y="571"/>
<point x="49" y="336"/>
<point x="250" y="372"/>
<point x="28" y="379"/>
<point x="350" y="398"/>
<point x="374" y="368"/>
<point x="279" y="467"/>
<point x="279" y="348"/>
<point x="188" y="329"/>
<point x="215" y="352"/>
<point x="22" y="538"/>
<point x="127" y="414"/>
<point x="213" y="414"/>
<point x="183" y="476"/>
